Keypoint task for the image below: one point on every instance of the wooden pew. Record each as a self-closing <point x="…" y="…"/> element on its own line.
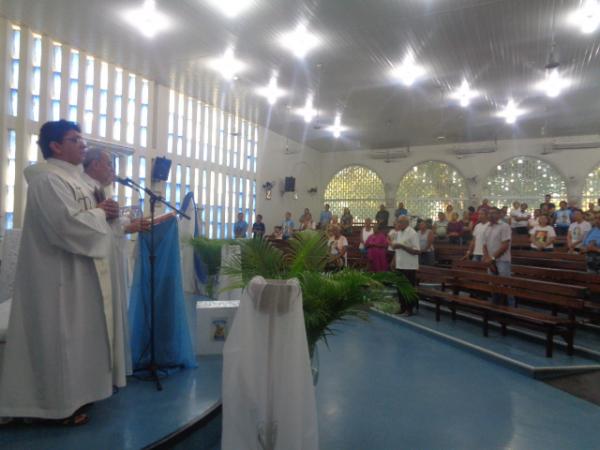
<point x="550" y="295"/>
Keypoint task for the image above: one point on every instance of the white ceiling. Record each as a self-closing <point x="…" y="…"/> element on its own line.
<point x="500" y="46"/>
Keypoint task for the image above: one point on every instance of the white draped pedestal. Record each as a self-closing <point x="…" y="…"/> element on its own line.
<point x="213" y="323"/>
<point x="268" y="395"/>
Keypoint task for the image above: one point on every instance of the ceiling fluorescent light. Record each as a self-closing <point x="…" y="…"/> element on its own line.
<point x="308" y="112"/>
<point x="299" y="41"/>
<point x="409" y="71"/>
<point x="511" y="112"/>
<point x="553" y="84"/>
<point x="227" y="65"/>
<point x="464" y="94"/>
<point x="337" y="128"/>
<point x="231" y="8"/>
<point x="147" y="19"/>
<point x="587" y="17"/>
<point x="272" y="91"/>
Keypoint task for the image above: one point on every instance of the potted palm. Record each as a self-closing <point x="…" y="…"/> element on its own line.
<point x="327" y="297"/>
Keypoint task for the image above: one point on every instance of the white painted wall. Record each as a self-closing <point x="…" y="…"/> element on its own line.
<point x="280" y="158"/>
<point x="573" y="165"/>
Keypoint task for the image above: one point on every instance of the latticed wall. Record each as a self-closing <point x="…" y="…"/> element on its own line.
<point x="429" y="187"/>
<point x="357" y="188"/>
<point x="526" y="180"/>
<point x="591" y="189"/>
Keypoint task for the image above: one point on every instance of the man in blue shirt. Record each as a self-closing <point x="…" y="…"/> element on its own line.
<point x="258" y="228"/>
<point x="325" y="217"/>
<point x="591" y="247"/>
<point x="562" y="219"/>
<point x="240" y="228"/>
<point x="288" y="225"/>
<point x="401" y="211"/>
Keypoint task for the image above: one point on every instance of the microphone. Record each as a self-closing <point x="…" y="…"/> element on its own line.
<point x="123" y="181"/>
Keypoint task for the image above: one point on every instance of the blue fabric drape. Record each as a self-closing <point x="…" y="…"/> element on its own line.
<point x="199" y="267"/>
<point x="173" y="344"/>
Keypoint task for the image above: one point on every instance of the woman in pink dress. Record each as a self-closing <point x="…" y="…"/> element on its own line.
<point x="376" y="246"/>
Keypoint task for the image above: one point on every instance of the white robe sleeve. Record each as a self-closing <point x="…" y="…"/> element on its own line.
<point x="65" y="221"/>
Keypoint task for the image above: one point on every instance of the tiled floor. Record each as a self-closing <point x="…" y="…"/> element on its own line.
<point x="386" y="386"/>
<point x="135" y="417"/>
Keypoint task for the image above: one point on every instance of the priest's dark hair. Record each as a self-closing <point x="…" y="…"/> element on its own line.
<point x="54" y="131"/>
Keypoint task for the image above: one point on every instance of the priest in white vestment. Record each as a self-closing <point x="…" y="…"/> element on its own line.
<point x="58" y="351"/>
<point x="98" y="174"/>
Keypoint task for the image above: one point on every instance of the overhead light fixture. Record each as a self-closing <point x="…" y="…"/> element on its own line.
<point x="227" y="65"/>
<point x="511" y="112"/>
<point x="409" y="71"/>
<point x="272" y="91"/>
<point x="553" y="84"/>
<point x="464" y="94"/>
<point x="147" y="19"/>
<point x="231" y="8"/>
<point x="308" y="112"/>
<point x="587" y="17"/>
<point x="300" y="41"/>
<point x="337" y="128"/>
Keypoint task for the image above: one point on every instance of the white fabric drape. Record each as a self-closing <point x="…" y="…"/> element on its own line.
<point x="268" y="395"/>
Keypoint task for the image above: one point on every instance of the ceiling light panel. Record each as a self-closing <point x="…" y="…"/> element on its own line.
<point x="308" y="112"/>
<point x="231" y="8"/>
<point x="409" y="71"/>
<point x="511" y="112"/>
<point x="272" y="92"/>
<point x="337" y="128"/>
<point x="147" y="19"/>
<point x="227" y="65"/>
<point x="587" y="16"/>
<point x="553" y="84"/>
<point x="464" y="94"/>
<point x="300" y="41"/>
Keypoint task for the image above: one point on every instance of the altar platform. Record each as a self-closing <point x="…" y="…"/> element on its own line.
<point x="139" y="416"/>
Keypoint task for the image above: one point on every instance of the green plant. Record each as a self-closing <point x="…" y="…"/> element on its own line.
<point x="209" y="251"/>
<point x="327" y="297"/>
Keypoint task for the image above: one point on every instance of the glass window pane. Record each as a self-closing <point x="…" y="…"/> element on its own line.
<point x="357" y="188"/>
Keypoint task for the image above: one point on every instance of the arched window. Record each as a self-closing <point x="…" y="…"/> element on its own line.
<point x="526" y="180"/>
<point x="429" y="187"/>
<point x="591" y="189"/>
<point x="357" y="188"/>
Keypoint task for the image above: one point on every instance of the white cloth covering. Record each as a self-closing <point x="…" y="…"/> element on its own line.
<point x="268" y="395"/>
<point x="10" y="252"/>
<point x="57" y="356"/>
<point x="119" y="278"/>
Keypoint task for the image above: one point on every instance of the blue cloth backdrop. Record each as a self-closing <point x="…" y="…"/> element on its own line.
<point x="173" y="344"/>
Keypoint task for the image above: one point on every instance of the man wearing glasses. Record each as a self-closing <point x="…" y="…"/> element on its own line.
<point x="58" y="351"/>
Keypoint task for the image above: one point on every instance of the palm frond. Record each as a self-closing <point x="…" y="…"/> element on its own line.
<point x="258" y="257"/>
<point x="308" y="251"/>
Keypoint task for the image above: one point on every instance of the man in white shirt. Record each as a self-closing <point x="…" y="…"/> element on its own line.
<point x="519" y="218"/>
<point x="577" y="232"/>
<point x="58" y="350"/>
<point x="405" y="243"/>
<point x="496" y="248"/>
<point x="476" y="245"/>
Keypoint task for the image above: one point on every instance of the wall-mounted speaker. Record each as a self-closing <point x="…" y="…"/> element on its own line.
<point x="290" y="184"/>
<point x="161" y="168"/>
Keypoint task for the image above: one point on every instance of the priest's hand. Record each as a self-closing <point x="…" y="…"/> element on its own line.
<point x="110" y="208"/>
<point x="138" y="225"/>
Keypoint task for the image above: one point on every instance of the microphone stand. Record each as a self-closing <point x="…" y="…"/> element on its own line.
<point x="153" y="366"/>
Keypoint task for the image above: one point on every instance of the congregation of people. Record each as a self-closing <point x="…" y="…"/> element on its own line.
<point x="485" y="232"/>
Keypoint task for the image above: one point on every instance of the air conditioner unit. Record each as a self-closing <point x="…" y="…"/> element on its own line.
<point x="570" y="145"/>
<point x="389" y="155"/>
<point x="464" y="151"/>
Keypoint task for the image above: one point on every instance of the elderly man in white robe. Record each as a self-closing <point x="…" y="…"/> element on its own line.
<point x="98" y="174"/>
<point x="58" y="351"/>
